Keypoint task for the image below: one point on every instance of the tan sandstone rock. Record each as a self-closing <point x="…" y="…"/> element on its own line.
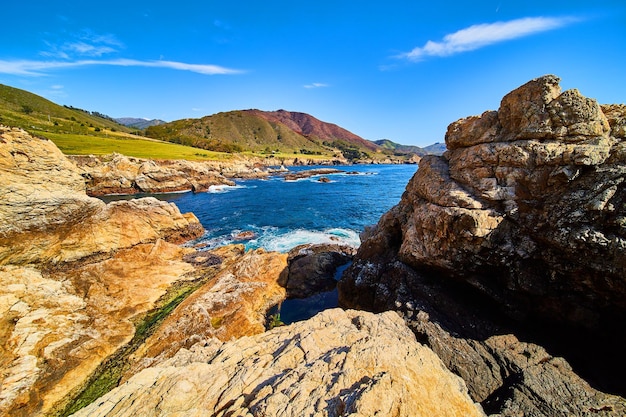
<point x="337" y="363"/>
<point x="75" y="273"/>
<point x="119" y="174"/>
<point x="231" y="305"/>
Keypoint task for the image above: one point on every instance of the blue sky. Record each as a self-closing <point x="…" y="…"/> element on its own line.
<point x="395" y="69"/>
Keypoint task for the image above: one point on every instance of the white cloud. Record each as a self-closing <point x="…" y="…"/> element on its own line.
<point x="85" y="44"/>
<point x="39" y="68"/>
<point x="86" y="49"/>
<point x="478" y="36"/>
<point x="316" y="85"/>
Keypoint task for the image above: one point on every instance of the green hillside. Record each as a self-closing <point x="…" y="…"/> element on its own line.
<point x="237" y="131"/>
<point x="400" y="149"/>
<point x="31" y="112"/>
<point x="280" y="133"/>
<point x="79" y="132"/>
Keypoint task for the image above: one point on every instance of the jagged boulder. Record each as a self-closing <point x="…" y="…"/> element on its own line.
<point x="231" y="305"/>
<point x="312" y="268"/>
<point x="337" y="363"/>
<point x="525" y="211"/>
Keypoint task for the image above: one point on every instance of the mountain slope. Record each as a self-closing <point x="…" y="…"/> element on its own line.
<point x="313" y="128"/>
<point x="434" y="149"/>
<point x="397" y="148"/>
<point x="138" y="122"/>
<point x="29" y="111"/>
<point x="260" y="131"/>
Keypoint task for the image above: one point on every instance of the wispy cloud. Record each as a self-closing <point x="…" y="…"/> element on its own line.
<point x="478" y="36"/>
<point x="316" y="85"/>
<point x="39" y="68"/>
<point x="85" y="44"/>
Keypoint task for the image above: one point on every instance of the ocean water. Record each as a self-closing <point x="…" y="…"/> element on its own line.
<point x="280" y="215"/>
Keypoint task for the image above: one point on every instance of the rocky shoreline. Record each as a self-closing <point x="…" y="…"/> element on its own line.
<point x="117" y="174"/>
<point x="517" y="228"/>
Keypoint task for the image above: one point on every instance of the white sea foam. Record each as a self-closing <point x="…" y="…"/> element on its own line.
<point x="222" y="188"/>
<point x="289" y="240"/>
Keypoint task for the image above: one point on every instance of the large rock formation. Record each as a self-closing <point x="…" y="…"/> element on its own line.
<point x="75" y="273"/>
<point x="232" y="304"/>
<point x="338" y="363"/>
<point x="524" y="214"/>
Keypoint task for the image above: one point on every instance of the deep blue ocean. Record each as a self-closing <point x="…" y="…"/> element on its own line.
<point x="284" y="214"/>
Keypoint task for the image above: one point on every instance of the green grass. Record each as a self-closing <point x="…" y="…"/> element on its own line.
<point x="127" y="145"/>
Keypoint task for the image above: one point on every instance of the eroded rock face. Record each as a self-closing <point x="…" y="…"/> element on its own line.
<point x="75" y="273"/>
<point x="231" y="305"/>
<point x="337" y="363"/>
<point x="527" y="206"/>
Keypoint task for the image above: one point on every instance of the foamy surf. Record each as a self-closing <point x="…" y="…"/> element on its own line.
<point x="272" y="239"/>
<point x="284" y="242"/>
<point x="222" y="188"/>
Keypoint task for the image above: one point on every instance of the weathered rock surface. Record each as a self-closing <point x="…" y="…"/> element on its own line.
<point x="525" y="211"/>
<point x="312" y="268"/>
<point x="231" y="305"/>
<point x="49" y="218"/>
<point x="75" y="273"/>
<point x="337" y="363"/>
<point x="119" y="174"/>
<point x="512" y="378"/>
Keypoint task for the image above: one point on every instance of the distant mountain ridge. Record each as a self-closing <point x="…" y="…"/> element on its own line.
<point x="139" y="123"/>
<point x="434" y="149"/>
<point x="253" y="130"/>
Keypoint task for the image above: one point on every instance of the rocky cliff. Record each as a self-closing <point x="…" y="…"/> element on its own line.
<point x="74" y="272"/>
<point x="95" y="294"/>
<point x="518" y="227"/>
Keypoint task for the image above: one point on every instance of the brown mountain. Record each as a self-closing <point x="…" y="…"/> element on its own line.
<point x="313" y="128"/>
<point x="258" y="131"/>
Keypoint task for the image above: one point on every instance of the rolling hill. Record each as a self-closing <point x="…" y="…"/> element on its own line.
<point x="261" y="131"/>
<point x="396" y="148"/>
<point x="138" y="123"/>
<point x="31" y="112"/>
<point x="78" y="131"/>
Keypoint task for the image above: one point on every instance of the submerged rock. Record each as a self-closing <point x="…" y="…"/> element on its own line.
<point x="523" y="214"/>
<point x="337" y="363"/>
<point x="293" y="176"/>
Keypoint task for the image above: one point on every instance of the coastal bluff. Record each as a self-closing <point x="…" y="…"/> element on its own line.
<point x="517" y="232"/>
